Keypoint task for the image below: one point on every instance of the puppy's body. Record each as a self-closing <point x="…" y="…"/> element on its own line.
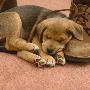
<point x="52" y="32"/>
<point x="15" y="40"/>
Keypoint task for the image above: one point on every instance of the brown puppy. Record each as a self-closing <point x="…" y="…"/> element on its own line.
<point x="53" y="32"/>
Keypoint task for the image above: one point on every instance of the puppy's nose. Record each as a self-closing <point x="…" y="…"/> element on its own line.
<point x="49" y="50"/>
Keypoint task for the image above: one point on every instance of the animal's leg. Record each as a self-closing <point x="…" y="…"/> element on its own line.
<point x="49" y="60"/>
<point x="32" y="58"/>
<point x="59" y="57"/>
<point x="17" y="44"/>
<point x="12" y="30"/>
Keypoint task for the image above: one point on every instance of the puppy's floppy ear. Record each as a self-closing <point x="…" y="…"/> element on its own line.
<point x="77" y="31"/>
<point x="41" y="27"/>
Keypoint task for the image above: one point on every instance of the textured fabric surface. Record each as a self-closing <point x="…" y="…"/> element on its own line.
<point x="17" y="74"/>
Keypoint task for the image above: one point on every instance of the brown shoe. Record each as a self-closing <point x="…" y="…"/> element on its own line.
<point x="80" y="50"/>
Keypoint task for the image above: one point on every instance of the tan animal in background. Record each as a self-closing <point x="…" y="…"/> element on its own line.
<point x="52" y="32"/>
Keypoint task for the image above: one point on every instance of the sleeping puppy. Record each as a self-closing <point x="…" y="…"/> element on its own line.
<point x="53" y="34"/>
<point x="27" y="27"/>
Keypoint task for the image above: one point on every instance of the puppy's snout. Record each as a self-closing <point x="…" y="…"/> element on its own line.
<point x="49" y="50"/>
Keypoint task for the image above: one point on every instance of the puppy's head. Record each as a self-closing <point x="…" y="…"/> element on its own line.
<point x="55" y="33"/>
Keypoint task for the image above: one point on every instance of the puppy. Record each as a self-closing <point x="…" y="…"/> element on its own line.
<point x="50" y="30"/>
<point x="54" y="33"/>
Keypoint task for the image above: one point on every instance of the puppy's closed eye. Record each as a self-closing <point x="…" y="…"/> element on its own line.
<point x="60" y="40"/>
<point x="48" y="37"/>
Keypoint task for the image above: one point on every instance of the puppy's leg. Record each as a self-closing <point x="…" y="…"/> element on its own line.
<point x="60" y="59"/>
<point x="49" y="60"/>
<point x="17" y="44"/>
<point x="32" y="58"/>
<point x="12" y="33"/>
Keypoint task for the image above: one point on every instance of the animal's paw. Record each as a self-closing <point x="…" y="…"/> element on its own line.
<point x="50" y="61"/>
<point x="47" y="61"/>
<point x="32" y="48"/>
<point x="40" y="62"/>
<point x="60" y="59"/>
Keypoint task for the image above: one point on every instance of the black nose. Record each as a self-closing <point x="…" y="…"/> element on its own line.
<point x="49" y="50"/>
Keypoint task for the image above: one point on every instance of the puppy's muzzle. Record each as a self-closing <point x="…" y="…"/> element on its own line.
<point x="50" y="51"/>
<point x="53" y="52"/>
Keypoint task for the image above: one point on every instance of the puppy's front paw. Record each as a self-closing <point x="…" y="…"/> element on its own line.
<point x="32" y="48"/>
<point x="50" y="61"/>
<point x="47" y="61"/>
<point x="60" y="59"/>
<point x="40" y="62"/>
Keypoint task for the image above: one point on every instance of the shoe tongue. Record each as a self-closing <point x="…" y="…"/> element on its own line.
<point x="88" y="31"/>
<point x="88" y="22"/>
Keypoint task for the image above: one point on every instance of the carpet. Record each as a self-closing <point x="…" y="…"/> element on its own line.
<point x="17" y="74"/>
